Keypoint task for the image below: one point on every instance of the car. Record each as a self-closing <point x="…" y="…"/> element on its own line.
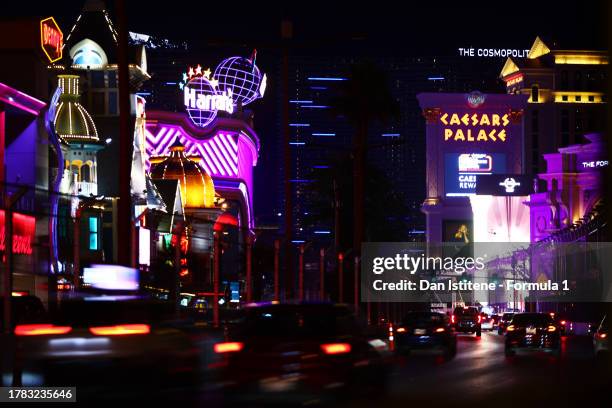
<point x="532" y="332"/>
<point x="98" y="341"/>
<point x="487" y="322"/>
<point x="601" y="340"/>
<point x="467" y="320"/>
<point x="25" y="308"/>
<point x="426" y="330"/>
<point x="292" y="353"/>
<point x="503" y="322"/>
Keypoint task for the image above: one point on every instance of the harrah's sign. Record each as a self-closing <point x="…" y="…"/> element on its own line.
<point x="51" y="39"/>
<point x="208" y="102"/>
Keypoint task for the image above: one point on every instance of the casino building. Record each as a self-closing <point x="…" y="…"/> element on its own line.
<point x="566" y="97"/>
<point x="467" y="136"/>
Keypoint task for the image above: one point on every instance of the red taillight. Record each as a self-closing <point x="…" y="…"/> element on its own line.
<point x="563" y="322"/>
<point x="603" y="335"/>
<point x="120" y="330"/>
<point x="479" y="318"/>
<point x="336" y="348"/>
<point x="401" y="329"/>
<point x="229" y="347"/>
<point x="440" y="329"/>
<point x="40" y="329"/>
<point x="453" y="319"/>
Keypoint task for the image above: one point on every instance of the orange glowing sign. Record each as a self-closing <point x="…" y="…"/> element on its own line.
<point x="474" y="127"/>
<point x="51" y="39"/>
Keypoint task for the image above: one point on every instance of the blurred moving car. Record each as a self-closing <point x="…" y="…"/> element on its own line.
<point x="426" y="330"/>
<point x="25" y="308"/>
<point x="601" y="340"/>
<point x="467" y="320"/>
<point x="486" y="322"/>
<point x="97" y="340"/>
<point x="532" y="332"/>
<point x="504" y="322"/>
<point x="297" y="352"/>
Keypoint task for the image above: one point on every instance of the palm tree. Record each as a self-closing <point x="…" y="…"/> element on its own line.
<point x="364" y="98"/>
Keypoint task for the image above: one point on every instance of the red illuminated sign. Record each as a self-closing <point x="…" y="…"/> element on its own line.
<point x="51" y="39"/>
<point x="24" y="228"/>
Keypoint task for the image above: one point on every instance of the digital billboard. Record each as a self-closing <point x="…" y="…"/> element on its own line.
<point x="462" y="170"/>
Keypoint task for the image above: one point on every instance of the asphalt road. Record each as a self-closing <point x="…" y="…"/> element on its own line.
<point x="481" y="374"/>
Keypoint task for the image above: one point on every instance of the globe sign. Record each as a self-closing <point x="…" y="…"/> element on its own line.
<point x="242" y="77"/>
<point x="203" y="100"/>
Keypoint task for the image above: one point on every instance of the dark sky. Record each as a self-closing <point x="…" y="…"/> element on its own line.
<point x="395" y="26"/>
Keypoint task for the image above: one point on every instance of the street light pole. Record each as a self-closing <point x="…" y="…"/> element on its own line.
<point x="340" y="277"/>
<point x="249" y="276"/>
<point x="276" y="273"/>
<point x="301" y="274"/>
<point x="322" y="274"/>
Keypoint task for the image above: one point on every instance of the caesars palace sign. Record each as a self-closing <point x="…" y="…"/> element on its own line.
<point x="474" y="127"/>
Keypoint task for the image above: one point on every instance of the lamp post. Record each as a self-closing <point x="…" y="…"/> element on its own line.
<point x="301" y="274"/>
<point x="340" y="277"/>
<point x="322" y="274"/>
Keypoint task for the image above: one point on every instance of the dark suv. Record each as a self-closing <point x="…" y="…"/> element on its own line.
<point x="504" y="322"/>
<point x="467" y="320"/>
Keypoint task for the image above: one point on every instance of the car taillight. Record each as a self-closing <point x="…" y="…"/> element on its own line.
<point x="336" y="348"/>
<point x="551" y="328"/>
<point x="401" y="330"/>
<point x="40" y="329"/>
<point x="440" y="330"/>
<point x="510" y="328"/>
<point x="479" y="318"/>
<point x="603" y="335"/>
<point x="563" y="322"/>
<point x="120" y="330"/>
<point x="228" y="347"/>
<point x="453" y="319"/>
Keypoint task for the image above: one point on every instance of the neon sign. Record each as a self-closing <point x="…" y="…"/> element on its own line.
<point x="463" y="170"/>
<point x="475" y="127"/>
<point x="509" y="184"/>
<point x="203" y="99"/>
<point x="51" y="39"/>
<point x="493" y="52"/>
<point x="24" y="227"/>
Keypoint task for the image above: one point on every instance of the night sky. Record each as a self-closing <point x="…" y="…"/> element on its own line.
<point x="400" y="27"/>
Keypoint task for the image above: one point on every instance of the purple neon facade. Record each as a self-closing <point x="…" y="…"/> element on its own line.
<point x="574" y="187"/>
<point x="228" y="149"/>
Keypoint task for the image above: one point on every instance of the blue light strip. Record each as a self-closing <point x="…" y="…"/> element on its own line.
<point x="299" y="124"/>
<point x="318" y="87"/>
<point x="324" y="134"/>
<point x="297" y="143"/>
<point x="417" y="231"/>
<point x="435" y="78"/>
<point x="170" y="83"/>
<point x="298" y="241"/>
<point x="322" y="232"/>
<point x="300" y="181"/>
<point x="390" y="135"/>
<point x="326" y="79"/>
<point x="315" y="106"/>
<point x="143" y="93"/>
<point x="298" y="101"/>
<point x="320" y="167"/>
